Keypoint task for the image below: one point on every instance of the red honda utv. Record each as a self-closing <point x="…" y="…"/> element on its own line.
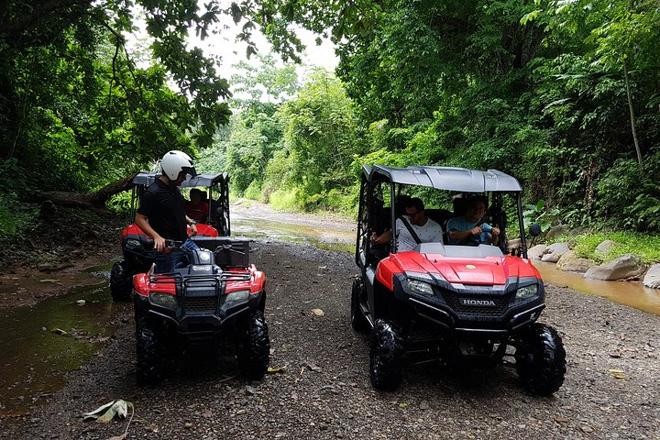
<point x="461" y="304"/>
<point x="138" y="257"/>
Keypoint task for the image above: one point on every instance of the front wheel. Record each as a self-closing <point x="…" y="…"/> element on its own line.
<point x="149" y="353"/>
<point x="121" y="282"/>
<point x="358" y="320"/>
<point x="541" y="360"/>
<point x="254" y="346"/>
<point x="386" y="356"/>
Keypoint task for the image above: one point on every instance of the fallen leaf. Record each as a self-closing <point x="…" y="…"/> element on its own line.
<point x="59" y="331"/>
<point x="617" y="374"/>
<point x="404" y="405"/>
<point x="276" y="370"/>
<point x="107" y="412"/>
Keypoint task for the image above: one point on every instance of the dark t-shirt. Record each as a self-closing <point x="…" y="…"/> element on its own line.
<point x="165" y="208"/>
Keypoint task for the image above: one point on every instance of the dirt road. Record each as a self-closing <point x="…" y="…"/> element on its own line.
<point x="611" y="389"/>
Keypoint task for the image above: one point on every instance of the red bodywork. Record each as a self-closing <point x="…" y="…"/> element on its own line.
<point x="203" y="230"/>
<point x="144" y="287"/>
<point x="486" y="271"/>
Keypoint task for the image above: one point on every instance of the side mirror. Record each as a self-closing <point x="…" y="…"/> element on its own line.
<point x="535" y="230"/>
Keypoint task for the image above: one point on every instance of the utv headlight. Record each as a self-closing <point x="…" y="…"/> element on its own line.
<point x="163" y="300"/>
<point x="419" y="287"/>
<point x="238" y="296"/>
<point x="527" y="292"/>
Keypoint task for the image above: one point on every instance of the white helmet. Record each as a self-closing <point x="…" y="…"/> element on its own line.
<point x="175" y="162"/>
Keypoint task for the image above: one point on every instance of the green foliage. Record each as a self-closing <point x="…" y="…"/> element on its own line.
<point x="15" y="217"/>
<point x="120" y="203"/>
<point x="647" y="246"/>
<point x="535" y="89"/>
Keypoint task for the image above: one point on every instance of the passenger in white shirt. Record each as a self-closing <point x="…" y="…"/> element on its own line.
<point x="427" y="230"/>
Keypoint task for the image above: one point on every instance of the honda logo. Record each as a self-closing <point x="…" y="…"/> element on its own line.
<point x="478" y="302"/>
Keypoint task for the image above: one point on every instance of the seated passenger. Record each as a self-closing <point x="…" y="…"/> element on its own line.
<point x="413" y="228"/>
<point x="470" y="228"/>
<point x="197" y="209"/>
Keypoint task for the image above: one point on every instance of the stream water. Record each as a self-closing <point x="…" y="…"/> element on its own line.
<point x="39" y="344"/>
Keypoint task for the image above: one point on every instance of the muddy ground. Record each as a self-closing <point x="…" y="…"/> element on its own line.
<point x="56" y="254"/>
<point x="611" y="388"/>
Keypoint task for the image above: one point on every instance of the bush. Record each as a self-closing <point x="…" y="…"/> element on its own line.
<point x="15" y="217"/>
<point x="287" y="200"/>
<point x="119" y="203"/>
<point x="253" y="191"/>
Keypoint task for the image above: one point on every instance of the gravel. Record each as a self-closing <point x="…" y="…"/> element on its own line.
<point x="323" y="389"/>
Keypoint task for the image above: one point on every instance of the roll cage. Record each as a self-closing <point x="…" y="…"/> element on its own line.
<point x="379" y="183"/>
<point x="218" y="215"/>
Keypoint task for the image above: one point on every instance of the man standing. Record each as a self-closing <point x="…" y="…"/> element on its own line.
<point x="162" y="212"/>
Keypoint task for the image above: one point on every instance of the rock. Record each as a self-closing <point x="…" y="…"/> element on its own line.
<point x="556" y="231"/>
<point x="318" y="312"/>
<point x="535" y="252"/>
<point x="652" y="277"/>
<point x="625" y="267"/>
<point x="570" y="262"/>
<point x="47" y="267"/>
<point x="554" y="252"/>
<point x="605" y="247"/>
<point x="513" y="244"/>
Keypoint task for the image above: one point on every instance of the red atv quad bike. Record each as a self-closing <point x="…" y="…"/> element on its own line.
<point x="462" y="305"/>
<point x="138" y="257"/>
<point x="215" y="302"/>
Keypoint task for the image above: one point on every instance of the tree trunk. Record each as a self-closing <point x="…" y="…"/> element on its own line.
<point x="632" y="115"/>
<point x="95" y="200"/>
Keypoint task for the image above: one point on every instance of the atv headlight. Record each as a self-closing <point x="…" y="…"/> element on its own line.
<point x="132" y="244"/>
<point x="163" y="300"/>
<point x="238" y="296"/>
<point x="418" y="287"/>
<point x="527" y="292"/>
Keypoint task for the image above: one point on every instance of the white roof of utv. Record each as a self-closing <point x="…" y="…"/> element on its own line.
<point x="446" y="178"/>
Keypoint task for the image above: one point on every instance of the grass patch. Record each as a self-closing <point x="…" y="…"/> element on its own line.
<point x="646" y="246"/>
<point x="286" y="200"/>
<point x="15" y="217"/>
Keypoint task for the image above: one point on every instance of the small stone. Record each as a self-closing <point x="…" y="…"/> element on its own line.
<point x="188" y="425"/>
<point x="318" y="312"/>
<point x="586" y="428"/>
<point x="81" y="302"/>
<point x="423" y="405"/>
<point x="250" y="390"/>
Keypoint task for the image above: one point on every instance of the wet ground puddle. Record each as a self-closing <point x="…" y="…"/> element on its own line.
<point x="632" y="294"/>
<point x="39" y="344"/>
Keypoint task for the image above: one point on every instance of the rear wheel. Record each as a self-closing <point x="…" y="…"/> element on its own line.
<point x="149" y="353"/>
<point x="254" y="346"/>
<point x="386" y="357"/>
<point x="358" y="320"/>
<point x="121" y="281"/>
<point x="541" y="360"/>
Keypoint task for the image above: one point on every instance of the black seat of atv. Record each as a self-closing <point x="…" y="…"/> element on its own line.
<point x="227" y="251"/>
